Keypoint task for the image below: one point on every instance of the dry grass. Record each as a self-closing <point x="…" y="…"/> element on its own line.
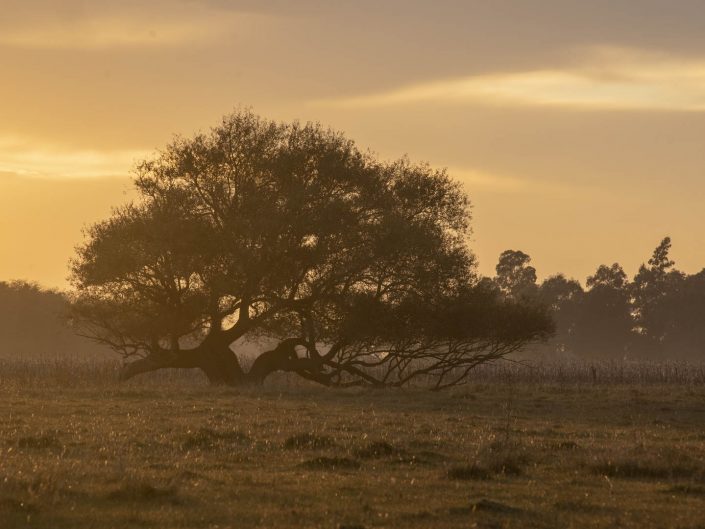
<point x="79" y="450"/>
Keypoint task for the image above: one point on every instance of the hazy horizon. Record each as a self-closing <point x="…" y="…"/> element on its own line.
<point x="576" y="128"/>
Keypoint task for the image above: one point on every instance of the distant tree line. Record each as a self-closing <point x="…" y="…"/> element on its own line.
<point x="35" y="325"/>
<point x="658" y="315"/>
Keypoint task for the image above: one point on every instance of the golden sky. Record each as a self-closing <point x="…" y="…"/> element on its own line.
<point x="577" y="127"/>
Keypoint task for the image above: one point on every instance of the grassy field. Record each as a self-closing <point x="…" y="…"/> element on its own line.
<point x="582" y="450"/>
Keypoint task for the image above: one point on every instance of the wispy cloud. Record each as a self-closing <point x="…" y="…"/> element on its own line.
<point x="477" y="179"/>
<point x="98" y="34"/>
<point x="19" y="156"/>
<point x="606" y="78"/>
<point x="124" y="28"/>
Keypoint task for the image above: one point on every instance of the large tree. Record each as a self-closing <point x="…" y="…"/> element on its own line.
<point x="357" y="271"/>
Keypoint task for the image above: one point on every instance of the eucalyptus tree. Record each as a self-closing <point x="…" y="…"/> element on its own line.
<point x="515" y="276"/>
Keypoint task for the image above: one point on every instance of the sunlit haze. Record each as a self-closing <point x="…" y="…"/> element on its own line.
<point x="578" y="128"/>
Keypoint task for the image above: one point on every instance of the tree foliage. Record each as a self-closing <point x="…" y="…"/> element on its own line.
<point x="356" y="270"/>
<point x="515" y="276"/>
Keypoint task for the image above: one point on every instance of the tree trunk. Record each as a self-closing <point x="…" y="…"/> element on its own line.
<point x="218" y="363"/>
<point x="221" y="366"/>
<point x="282" y="358"/>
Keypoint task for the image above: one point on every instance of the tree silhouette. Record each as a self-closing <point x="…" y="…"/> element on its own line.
<point x="515" y="277"/>
<point x="654" y="289"/>
<point x="681" y="311"/>
<point x="608" y="276"/>
<point x="357" y="271"/>
<point x="605" y="323"/>
<point x="563" y="297"/>
<point x="592" y="323"/>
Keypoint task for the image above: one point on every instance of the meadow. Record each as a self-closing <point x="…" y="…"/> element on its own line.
<point x="553" y="446"/>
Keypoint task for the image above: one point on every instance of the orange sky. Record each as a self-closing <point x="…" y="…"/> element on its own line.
<point x="577" y="127"/>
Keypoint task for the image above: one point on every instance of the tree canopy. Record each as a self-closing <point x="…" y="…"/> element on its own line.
<point x="354" y="270"/>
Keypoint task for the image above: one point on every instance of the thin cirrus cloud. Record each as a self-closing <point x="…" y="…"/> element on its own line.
<point x="475" y="178"/>
<point x="107" y="31"/>
<point x="500" y="184"/>
<point x="23" y="158"/>
<point x="604" y="79"/>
